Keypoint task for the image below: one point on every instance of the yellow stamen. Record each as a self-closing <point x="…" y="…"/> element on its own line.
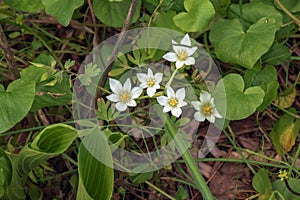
<point x="124" y="97"/>
<point x="173" y="102"/>
<point x="182" y="55"/>
<point x="283" y="175"/>
<point x="150" y="82"/>
<point x="207" y="109"/>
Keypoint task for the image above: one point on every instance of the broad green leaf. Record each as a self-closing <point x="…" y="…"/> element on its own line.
<point x="234" y="45"/>
<point x="53" y="88"/>
<point x="15" y="102"/>
<point x="114" y="13"/>
<point x="181" y="194"/>
<point x="261" y="183"/>
<point x="252" y="12"/>
<point x="51" y="141"/>
<point x="62" y="10"/>
<point x="165" y="20"/>
<point x="240" y="103"/>
<point x="280" y="186"/>
<point x="25" y="5"/>
<point x="198" y="16"/>
<point x="277" y="54"/>
<point x="284" y="133"/>
<point x="95" y="167"/>
<point x="286" y="98"/>
<point x="6" y="166"/>
<point x="270" y="95"/>
<point x="292" y="5"/>
<point x="2" y="181"/>
<point x="141" y="178"/>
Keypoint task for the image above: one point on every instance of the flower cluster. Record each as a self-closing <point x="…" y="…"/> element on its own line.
<point x="124" y="96"/>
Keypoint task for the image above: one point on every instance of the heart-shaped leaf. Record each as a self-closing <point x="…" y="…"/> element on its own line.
<point x="114" y="13"/>
<point x="285" y="192"/>
<point x="62" y="11"/>
<point x="240" y="103"/>
<point x="234" y="45"/>
<point x="25" y="5"/>
<point x="198" y="16"/>
<point x="15" y="102"/>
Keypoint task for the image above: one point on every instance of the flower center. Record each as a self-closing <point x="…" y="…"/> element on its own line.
<point x="151" y="82"/>
<point x="182" y="55"/>
<point x="173" y="102"/>
<point x="206" y="109"/>
<point x="125" y="97"/>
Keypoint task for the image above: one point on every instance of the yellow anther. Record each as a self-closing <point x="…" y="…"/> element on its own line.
<point x="207" y="109"/>
<point x="182" y="55"/>
<point x="150" y="82"/>
<point x="173" y="102"/>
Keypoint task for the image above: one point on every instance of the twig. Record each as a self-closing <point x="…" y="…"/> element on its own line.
<point x="118" y="44"/>
<point x="12" y="66"/>
<point x="295" y="19"/>
<point x="96" y="38"/>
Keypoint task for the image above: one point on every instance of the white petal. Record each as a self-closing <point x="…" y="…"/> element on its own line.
<point x="196" y="104"/>
<point x="151" y="91"/>
<point x="171" y="56"/>
<point x="199" y="116"/>
<point x="144" y="85"/>
<point x="162" y="100"/>
<point x="113" y="97"/>
<point x="179" y="49"/>
<point x="191" y="51"/>
<point x="180" y="94"/>
<point x="205" y="96"/>
<point x="182" y="103"/>
<point x="186" y="40"/>
<point x="167" y="108"/>
<point x="173" y="42"/>
<point x="121" y="106"/>
<point x="136" y="92"/>
<point x="217" y="114"/>
<point x="179" y="64"/>
<point x="131" y="103"/>
<point x="158" y="77"/>
<point x="176" y="112"/>
<point x="127" y="84"/>
<point x="150" y="73"/>
<point x="170" y="93"/>
<point x="189" y="61"/>
<point x="142" y="77"/>
<point x="115" y="85"/>
<point x="210" y="118"/>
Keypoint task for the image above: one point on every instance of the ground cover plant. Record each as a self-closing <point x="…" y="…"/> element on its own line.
<point x="149" y="99"/>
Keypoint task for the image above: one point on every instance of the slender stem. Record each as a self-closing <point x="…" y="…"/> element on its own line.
<point x="159" y="190"/>
<point x="171" y="79"/>
<point x="189" y="161"/>
<point x="296" y="20"/>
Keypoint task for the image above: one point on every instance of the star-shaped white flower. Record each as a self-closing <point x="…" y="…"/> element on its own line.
<point x="123" y="96"/>
<point x="205" y="108"/>
<point x="182" y="52"/>
<point x="150" y="81"/>
<point x="173" y="101"/>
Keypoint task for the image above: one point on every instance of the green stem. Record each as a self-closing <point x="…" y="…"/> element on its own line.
<point x="159" y="190"/>
<point x="171" y="79"/>
<point x="296" y="20"/>
<point x="189" y="161"/>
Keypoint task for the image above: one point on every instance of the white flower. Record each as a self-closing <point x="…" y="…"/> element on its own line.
<point x="182" y="52"/>
<point x="173" y="101"/>
<point x="205" y="108"/>
<point x="123" y="95"/>
<point x="150" y="82"/>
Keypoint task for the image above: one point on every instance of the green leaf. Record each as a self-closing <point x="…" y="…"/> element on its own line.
<point x="165" y="20"/>
<point x="6" y="166"/>
<point x="292" y="5"/>
<point x="234" y="45"/>
<point x="252" y="12"/>
<point x="280" y="186"/>
<point x="62" y="10"/>
<point x="95" y="167"/>
<point x="240" y="103"/>
<point x="15" y="102"/>
<point x="114" y="13"/>
<point x="25" y="5"/>
<point x="181" y="194"/>
<point x="198" y="16"/>
<point x="277" y="54"/>
<point x="141" y="178"/>
<point x="51" y="141"/>
<point x="261" y="182"/>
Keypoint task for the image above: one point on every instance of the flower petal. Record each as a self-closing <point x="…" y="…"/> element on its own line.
<point x="167" y="108"/>
<point x="205" y="96"/>
<point x="170" y="93"/>
<point x="170" y="56"/>
<point x="115" y="85"/>
<point x="113" y="97"/>
<point x="186" y="40"/>
<point x="158" y="77"/>
<point x="131" y="103"/>
<point x="180" y="94"/>
<point x="211" y="118"/>
<point x="141" y="77"/>
<point x="217" y="114"/>
<point x="191" y="51"/>
<point x="179" y="64"/>
<point x="121" y="106"/>
<point x="196" y="104"/>
<point x="136" y="92"/>
<point x="127" y="84"/>
<point x="162" y="100"/>
<point x="151" y="91"/>
<point x="174" y="42"/>
<point x="189" y="61"/>
<point x="182" y="103"/>
<point x="179" y="49"/>
<point x="199" y="116"/>
<point x="176" y="112"/>
<point x="150" y="73"/>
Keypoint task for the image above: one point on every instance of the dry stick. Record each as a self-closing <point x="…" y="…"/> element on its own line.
<point x="12" y="66"/>
<point x="118" y="44"/>
<point x="96" y="39"/>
